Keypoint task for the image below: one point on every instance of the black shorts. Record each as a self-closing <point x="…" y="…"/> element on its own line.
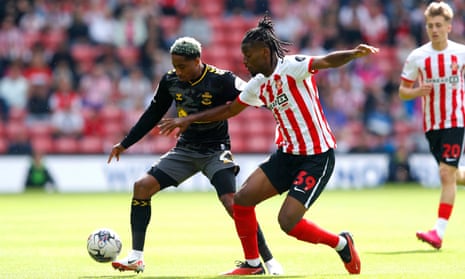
<point x="180" y="163"/>
<point x="446" y="145"/>
<point x="304" y="177"/>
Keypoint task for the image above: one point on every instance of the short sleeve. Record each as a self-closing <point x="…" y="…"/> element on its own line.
<point x="249" y="96"/>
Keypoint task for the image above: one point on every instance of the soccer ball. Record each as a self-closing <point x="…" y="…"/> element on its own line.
<point x="104" y="245"/>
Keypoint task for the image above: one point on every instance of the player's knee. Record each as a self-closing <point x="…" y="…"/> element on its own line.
<point x="447" y="173"/>
<point x="145" y="188"/>
<point x="286" y="222"/>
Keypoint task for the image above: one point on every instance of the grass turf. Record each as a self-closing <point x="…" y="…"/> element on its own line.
<point x="190" y="235"/>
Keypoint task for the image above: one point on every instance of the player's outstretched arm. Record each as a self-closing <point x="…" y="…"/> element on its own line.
<point x="115" y="152"/>
<point x="223" y="112"/>
<point x="338" y="58"/>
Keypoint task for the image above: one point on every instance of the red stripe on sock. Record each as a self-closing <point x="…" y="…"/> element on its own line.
<point x="445" y="210"/>
<point x="246" y="228"/>
<point x="307" y="231"/>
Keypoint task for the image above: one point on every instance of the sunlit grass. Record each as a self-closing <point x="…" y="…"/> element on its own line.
<point x="191" y="236"/>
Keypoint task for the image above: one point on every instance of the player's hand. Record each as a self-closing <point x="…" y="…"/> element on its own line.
<point x="167" y="125"/>
<point x="364" y="50"/>
<point x="115" y="152"/>
<point x="424" y="89"/>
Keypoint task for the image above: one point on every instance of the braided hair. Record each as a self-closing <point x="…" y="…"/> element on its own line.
<point x="264" y="33"/>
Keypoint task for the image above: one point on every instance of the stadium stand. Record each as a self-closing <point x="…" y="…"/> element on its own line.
<point x="54" y="31"/>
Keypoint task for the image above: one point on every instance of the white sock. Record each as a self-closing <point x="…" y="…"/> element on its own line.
<point x="270" y="261"/>
<point x="341" y="244"/>
<point x="136" y="254"/>
<point x="274" y="267"/>
<point x="253" y="262"/>
<point x="440" y="227"/>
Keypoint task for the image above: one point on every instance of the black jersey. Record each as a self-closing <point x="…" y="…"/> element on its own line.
<point x="215" y="87"/>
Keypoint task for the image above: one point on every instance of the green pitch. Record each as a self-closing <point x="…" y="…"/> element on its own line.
<point x="190" y="235"/>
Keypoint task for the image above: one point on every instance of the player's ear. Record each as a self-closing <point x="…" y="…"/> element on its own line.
<point x="266" y="51"/>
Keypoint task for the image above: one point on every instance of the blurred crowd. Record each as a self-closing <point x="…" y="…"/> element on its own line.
<point x="75" y="75"/>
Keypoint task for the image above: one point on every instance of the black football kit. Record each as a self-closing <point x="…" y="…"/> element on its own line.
<point x="214" y="87"/>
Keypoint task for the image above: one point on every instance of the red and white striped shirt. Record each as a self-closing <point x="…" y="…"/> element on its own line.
<point x="291" y="93"/>
<point x="444" y="107"/>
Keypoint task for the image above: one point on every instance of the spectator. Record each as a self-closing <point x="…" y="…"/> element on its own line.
<point x="152" y="48"/>
<point x="67" y="119"/>
<point x="196" y="25"/>
<point x="67" y="122"/>
<point x="375" y="25"/>
<point x="14" y="87"/>
<point x="12" y="44"/>
<point x="19" y="143"/>
<point x="134" y="89"/>
<point x="261" y="7"/>
<point x="96" y="88"/>
<point x="93" y="123"/>
<point x="38" y="175"/>
<point x="350" y="22"/>
<point x="171" y="7"/>
<point x="78" y="30"/>
<point x="235" y="7"/>
<point x="29" y="19"/>
<point x="399" y="166"/>
<point x="38" y="109"/>
<point x="101" y="26"/>
<point x="129" y="29"/>
<point x="38" y="68"/>
<point x="288" y="27"/>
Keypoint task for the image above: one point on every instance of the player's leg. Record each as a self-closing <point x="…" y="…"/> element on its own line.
<point x="254" y="190"/>
<point x="141" y="210"/>
<point x="306" y="187"/>
<point x="224" y="182"/>
<point x="174" y="167"/>
<point x="446" y="146"/>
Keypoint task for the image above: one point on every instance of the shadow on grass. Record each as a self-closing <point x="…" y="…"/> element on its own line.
<point x="405" y="252"/>
<point x="191" y="277"/>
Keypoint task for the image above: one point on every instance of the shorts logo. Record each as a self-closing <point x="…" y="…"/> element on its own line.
<point x="305" y="181"/>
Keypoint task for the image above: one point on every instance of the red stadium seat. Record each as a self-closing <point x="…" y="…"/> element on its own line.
<point x="15" y="128"/>
<point x="3" y="145"/>
<point x="128" y="55"/>
<point x="2" y="130"/>
<point x="169" y="23"/>
<point x="238" y="145"/>
<point x="40" y="129"/>
<point x="84" y="52"/>
<point x="43" y="144"/>
<point x="91" y="145"/>
<point x="259" y="144"/>
<point x="113" y="129"/>
<point x="212" y="9"/>
<point x="53" y="38"/>
<point x="66" y="145"/>
<point x="17" y="114"/>
<point x="237" y="23"/>
<point x="162" y="144"/>
<point x="111" y="114"/>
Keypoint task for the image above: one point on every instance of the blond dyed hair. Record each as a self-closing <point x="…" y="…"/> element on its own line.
<point x="439" y="9"/>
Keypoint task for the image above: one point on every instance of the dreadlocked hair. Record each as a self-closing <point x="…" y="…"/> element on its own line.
<point x="264" y="32"/>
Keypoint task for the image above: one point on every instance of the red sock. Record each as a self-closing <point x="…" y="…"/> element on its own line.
<point x="445" y="210"/>
<point x="307" y="231"/>
<point x="246" y="228"/>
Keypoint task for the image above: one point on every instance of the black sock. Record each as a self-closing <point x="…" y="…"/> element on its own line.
<point x="262" y="247"/>
<point x="140" y="218"/>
